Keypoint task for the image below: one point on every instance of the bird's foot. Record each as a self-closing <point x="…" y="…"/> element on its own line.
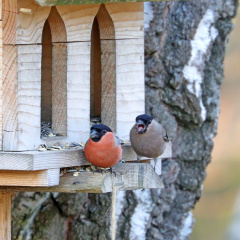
<point x="98" y="170"/>
<point x="138" y="159"/>
<point x="112" y="172"/>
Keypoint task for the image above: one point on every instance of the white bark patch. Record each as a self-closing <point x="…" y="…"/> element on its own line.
<point x="187" y="227"/>
<point x="141" y="215"/>
<point x="120" y="203"/>
<point x="148" y="14"/>
<point x="193" y="71"/>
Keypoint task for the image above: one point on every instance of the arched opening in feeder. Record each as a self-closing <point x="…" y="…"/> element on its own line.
<point x="46" y="84"/>
<point x="103" y="70"/>
<point x="95" y="106"/>
<point x="54" y="77"/>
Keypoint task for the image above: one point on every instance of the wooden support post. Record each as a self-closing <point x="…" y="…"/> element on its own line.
<point x="5" y="215"/>
<point x="1" y="81"/>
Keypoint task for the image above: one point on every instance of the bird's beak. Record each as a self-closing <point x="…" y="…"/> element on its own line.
<point x="94" y="134"/>
<point x="141" y="127"/>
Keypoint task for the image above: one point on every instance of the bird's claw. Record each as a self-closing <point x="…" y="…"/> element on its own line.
<point x="104" y="171"/>
<point x="99" y="171"/>
<point x="112" y="172"/>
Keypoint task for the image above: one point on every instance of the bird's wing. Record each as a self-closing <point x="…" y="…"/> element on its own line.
<point x="117" y="141"/>
<point x="163" y="132"/>
<point x="160" y="131"/>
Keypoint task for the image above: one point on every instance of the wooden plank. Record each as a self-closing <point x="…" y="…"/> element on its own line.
<point x="59" y="88"/>
<point x="21" y="97"/>
<point x="29" y="96"/>
<point x="40" y="178"/>
<point x="78" y="91"/>
<point x="10" y="126"/>
<point x="130" y="84"/>
<point x="9" y="8"/>
<point x="5" y="215"/>
<point x="78" y="21"/>
<point x="35" y="160"/>
<point x="135" y="176"/>
<point x="108" y="73"/>
<point x="128" y="19"/>
<point x="1" y="85"/>
<point x="30" y="26"/>
<point x="92" y="183"/>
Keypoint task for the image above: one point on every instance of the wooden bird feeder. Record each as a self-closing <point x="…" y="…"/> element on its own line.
<point x="67" y="63"/>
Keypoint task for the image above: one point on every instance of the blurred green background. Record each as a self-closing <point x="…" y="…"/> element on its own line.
<point x="218" y="211"/>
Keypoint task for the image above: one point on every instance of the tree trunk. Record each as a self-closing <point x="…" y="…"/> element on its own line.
<point x="184" y="52"/>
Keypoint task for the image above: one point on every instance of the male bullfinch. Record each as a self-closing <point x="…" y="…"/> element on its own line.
<point x="103" y="149"/>
<point x="148" y="137"/>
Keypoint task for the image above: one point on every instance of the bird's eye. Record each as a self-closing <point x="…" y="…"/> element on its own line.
<point x="104" y="131"/>
<point x="149" y="122"/>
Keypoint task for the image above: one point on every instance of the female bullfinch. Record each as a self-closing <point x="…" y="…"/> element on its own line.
<point x="148" y="137"/>
<point x="103" y="149"/>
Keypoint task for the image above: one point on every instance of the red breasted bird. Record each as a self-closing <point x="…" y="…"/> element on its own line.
<point x="102" y="149"/>
<point x="148" y="137"/>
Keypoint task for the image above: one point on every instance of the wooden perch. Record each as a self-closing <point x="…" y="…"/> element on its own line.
<point x="135" y="176"/>
<point x="35" y="160"/>
<point x="39" y="171"/>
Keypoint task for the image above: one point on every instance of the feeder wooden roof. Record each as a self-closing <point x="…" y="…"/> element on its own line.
<point x="78" y="2"/>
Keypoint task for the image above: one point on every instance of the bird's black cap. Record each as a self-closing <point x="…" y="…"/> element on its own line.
<point x="144" y="117"/>
<point x="100" y="127"/>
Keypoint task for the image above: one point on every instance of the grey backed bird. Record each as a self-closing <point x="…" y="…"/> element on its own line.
<point x="148" y="137"/>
